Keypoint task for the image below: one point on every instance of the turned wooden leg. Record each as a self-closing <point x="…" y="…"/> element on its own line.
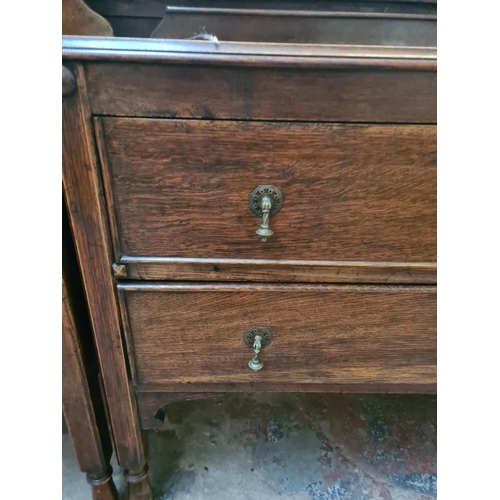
<point x="83" y="406"/>
<point x="138" y="485"/>
<point x="103" y="488"/>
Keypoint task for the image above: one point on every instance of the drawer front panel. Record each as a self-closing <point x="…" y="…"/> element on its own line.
<point x="178" y="188"/>
<point x="360" y="94"/>
<point x="321" y="334"/>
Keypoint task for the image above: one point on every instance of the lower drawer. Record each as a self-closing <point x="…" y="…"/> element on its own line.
<point x="320" y="334"/>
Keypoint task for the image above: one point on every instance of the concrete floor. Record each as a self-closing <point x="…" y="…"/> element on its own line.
<point x="288" y="446"/>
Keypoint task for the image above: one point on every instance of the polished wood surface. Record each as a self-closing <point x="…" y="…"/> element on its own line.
<point x="81" y="182"/>
<point x="163" y="142"/>
<point x="321" y="334"/>
<point x="352" y="192"/>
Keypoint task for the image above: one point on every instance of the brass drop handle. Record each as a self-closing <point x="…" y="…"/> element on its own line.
<point x="264" y="230"/>
<point x="265" y="201"/>
<point x="257" y="338"/>
<point x="255" y="363"/>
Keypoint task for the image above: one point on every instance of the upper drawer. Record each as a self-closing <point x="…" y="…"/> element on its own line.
<point x="180" y="189"/>
<point x="348" y="84"/>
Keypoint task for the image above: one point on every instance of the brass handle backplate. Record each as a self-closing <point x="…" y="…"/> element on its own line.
<point x="265" y="202"/>
<point x="256" y="338"/>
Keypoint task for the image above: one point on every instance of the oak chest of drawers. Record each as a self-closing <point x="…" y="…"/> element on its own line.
<point x="251" y="217"/>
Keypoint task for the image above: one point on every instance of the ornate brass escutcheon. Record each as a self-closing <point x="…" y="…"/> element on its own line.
<point x="256" y="338"/>
<point x="265" y="201"/>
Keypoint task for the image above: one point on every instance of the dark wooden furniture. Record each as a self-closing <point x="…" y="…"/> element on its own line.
<point x="176" y="152"/>
<point x="83" y="406"/>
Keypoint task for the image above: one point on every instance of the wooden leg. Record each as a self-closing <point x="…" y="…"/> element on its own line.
<point x="83" y="406"/>
<point x="87" y="213"/>
<point x="103" y="488"/>
<point x="138" y="485"/>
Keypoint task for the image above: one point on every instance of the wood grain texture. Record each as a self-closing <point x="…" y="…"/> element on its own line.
<point x="281" y="271"/>
<point x="348" y="95"/>
<point x="129" y="341"/>
<point x="322" y="334"/>
<point x="82" y="400"/>
<point x="83" y="193"/>
<point x="178" y="188"/>
<point x="79" y="310"/>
